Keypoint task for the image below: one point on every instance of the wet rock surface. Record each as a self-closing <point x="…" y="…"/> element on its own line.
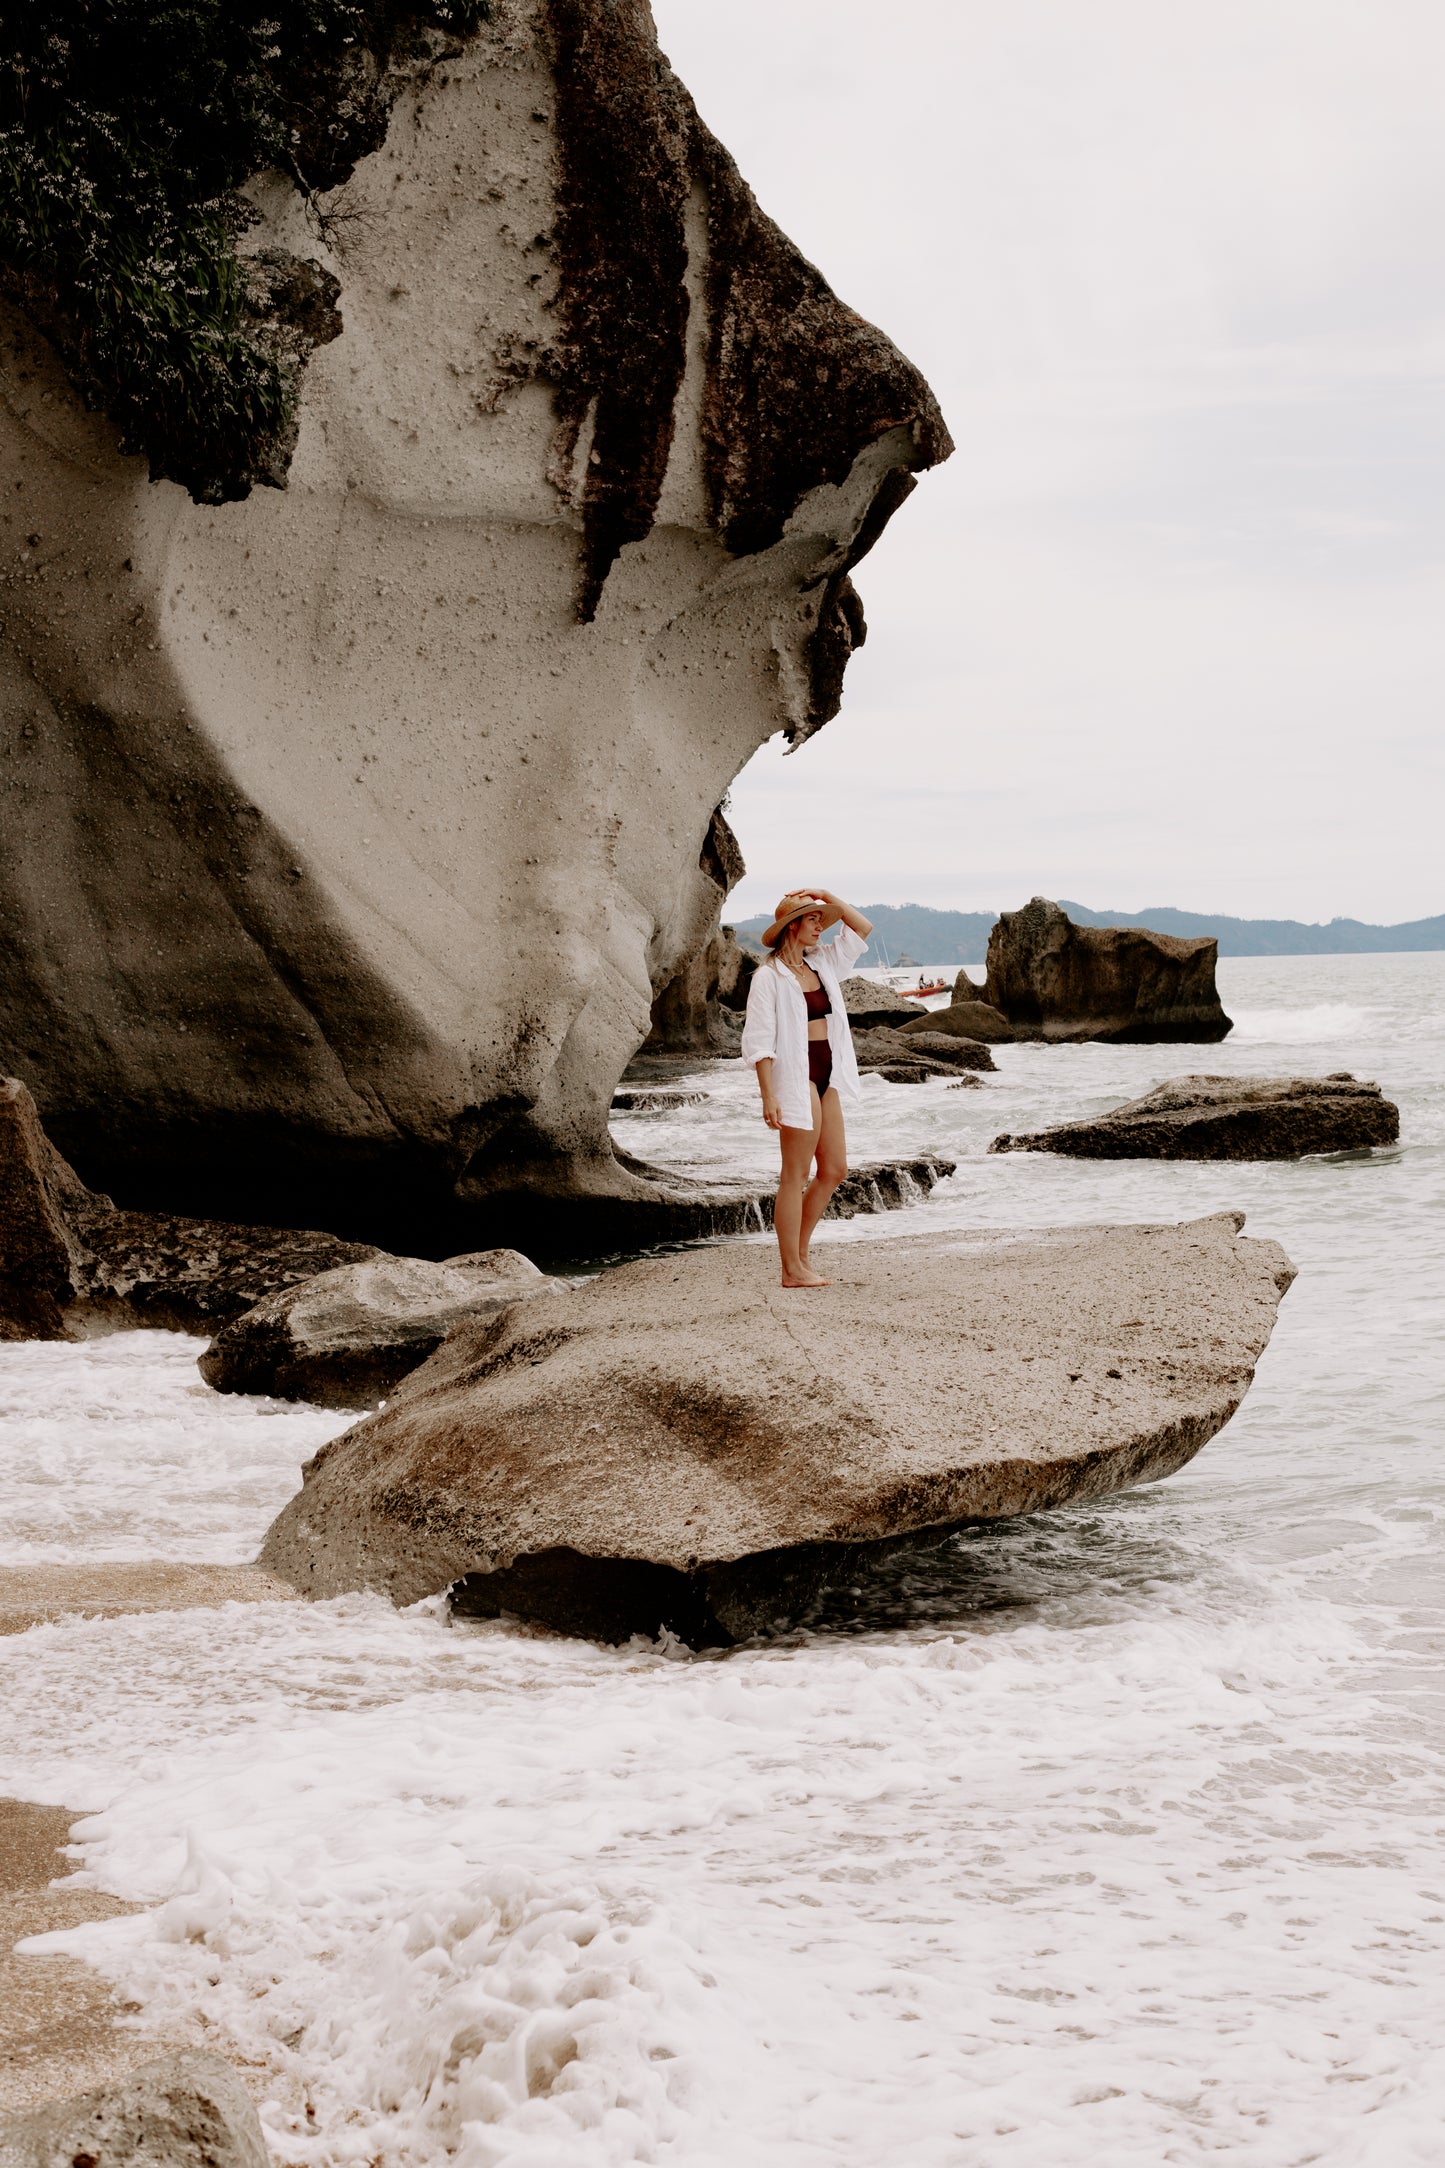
<point x="395" y="788"/>
<point x="685" y="1444"/>
<point x="184" y="2110"/>
<point x="70" y="1262"/>
<point x="347" y="1337"/>
<point x="871" y="1006"/>
<point x="1227" y="1117"/>
<point x="912" y="1056"/>
<point x="970" y="1019"/>
<point x="678" y="1210"/>
<point x="1052" y="979"/>
<point x="655" y="1101"/>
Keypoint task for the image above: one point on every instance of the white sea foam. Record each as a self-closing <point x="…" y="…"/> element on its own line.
<point x="115" y="1449"/>
<point x="1111" y="1835"/>
<point x="1327" y="1020"/>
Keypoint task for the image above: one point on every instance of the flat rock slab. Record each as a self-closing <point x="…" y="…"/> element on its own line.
<point x="347" y="1337"/>
<point x="927" y="1053"/>
<point x="1227" y="1117"/>
<point x="685" y="1444"/>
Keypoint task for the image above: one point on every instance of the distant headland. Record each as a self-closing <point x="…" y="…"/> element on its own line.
<point x="914" y="933"/>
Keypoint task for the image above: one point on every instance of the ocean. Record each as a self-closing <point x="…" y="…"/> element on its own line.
<point x="1107" y="1836"/>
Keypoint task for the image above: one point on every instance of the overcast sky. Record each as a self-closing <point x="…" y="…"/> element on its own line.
<point x="1168" y="626"/>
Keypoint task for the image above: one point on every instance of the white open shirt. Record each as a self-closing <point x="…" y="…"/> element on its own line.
<point x="777" y="1025"/>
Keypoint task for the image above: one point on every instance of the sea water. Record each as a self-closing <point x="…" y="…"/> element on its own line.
<point x="1110" y="1836"/>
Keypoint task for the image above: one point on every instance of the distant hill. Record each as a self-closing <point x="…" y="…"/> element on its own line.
<point x="913" y="932"/>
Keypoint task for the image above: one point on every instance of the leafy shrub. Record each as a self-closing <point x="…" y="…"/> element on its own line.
<point x="126" y="128"/>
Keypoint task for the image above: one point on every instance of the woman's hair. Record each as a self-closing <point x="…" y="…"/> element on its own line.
<point x="789" y="935"/>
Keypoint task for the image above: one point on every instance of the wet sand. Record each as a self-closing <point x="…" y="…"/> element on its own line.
<point x="63" y="2029"/>
<point x="29" y="1595"/>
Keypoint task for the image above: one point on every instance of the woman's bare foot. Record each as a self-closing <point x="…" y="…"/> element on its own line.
<point x="807" y="1278"/>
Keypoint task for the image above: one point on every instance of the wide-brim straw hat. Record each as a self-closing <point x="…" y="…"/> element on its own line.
<point x="790" y="908"/>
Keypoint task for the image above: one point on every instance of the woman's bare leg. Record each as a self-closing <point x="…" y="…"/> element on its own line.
<point x="831" y="1150"/>
<point x="798" y="1145"/>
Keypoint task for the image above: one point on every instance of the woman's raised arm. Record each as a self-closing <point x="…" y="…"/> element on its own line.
<point x="835" y="908"/>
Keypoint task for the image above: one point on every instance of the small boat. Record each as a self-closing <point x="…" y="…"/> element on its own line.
<point x="920" y="992"/>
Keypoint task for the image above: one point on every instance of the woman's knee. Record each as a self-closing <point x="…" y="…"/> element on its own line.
<point x="832" y="1168"/>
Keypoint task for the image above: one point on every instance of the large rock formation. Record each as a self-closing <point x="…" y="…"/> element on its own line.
<point x="700" y="1010"/>
<point x="1227" y="1117"/>
<point x="1054" y="980"/>
<point x="350" y="827"/>
<point x="684" y="1443"/>
<point x="347" y="1337"/>
<point x="184" y="2110"/>
<point x="71" y="1264"/>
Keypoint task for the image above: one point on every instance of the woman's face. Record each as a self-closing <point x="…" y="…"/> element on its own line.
<point x="807" y="929"/>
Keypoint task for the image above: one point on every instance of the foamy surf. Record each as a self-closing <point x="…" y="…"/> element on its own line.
<point x="1327" y="1021"/>
<point x="1110" y="1835"/>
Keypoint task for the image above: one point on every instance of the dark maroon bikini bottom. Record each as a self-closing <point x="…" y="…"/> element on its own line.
<point x="820" y="1064"/>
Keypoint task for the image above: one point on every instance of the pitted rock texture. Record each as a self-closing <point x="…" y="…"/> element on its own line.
<point x="185" y="2110"/>
<point x="683" y="1443"/>
<point x="700" y="1010"/>
<point x="1227" y="1117"/>
<point x="1052" y="979"/>
<point x="350" y="831"/>
<point x="347" y="1337"/>
<point x="71" y="1264"/>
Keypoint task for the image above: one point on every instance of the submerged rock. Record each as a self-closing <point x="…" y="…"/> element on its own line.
<point x="185" y="2110"/>
<point x="351" y="830"/>
<point x="345" y="1338"/>
<point x="1052" y="979"/>
<point x="682" y="1443"/>
<point x="70" y="1263"/>
<point x="1227" y="1117"/>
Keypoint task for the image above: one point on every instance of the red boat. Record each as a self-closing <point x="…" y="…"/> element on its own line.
<point x="920" y="992"/>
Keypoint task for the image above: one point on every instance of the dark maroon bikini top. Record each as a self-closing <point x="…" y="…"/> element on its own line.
<point x="819" y="1005"/>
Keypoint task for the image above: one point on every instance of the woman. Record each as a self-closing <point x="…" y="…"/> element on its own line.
<point x="797" y="1038"/>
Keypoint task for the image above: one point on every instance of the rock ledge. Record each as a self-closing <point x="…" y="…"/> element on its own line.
<point x="1227" y="1117"/>
<point x="684" y="1444"/>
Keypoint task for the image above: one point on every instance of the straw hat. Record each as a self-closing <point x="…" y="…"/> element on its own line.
<point x="790" y="908"/>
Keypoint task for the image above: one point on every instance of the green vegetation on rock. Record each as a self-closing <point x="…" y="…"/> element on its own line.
<point x="126" y="129"/>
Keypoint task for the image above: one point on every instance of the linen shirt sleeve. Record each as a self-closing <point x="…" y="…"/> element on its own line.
<point x="760" y="1032"/>
<point x="845" y="948"/>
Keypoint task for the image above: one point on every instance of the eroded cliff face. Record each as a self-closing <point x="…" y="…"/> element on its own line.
<point x="350" y="829"/>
